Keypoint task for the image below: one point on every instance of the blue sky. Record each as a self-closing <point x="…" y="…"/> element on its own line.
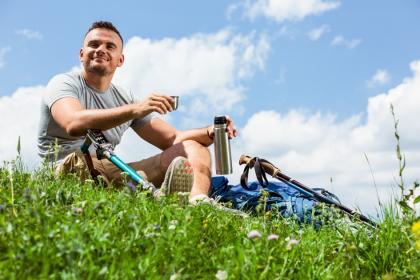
<point x="298" y="73"/>
<point x="327" y="86"/>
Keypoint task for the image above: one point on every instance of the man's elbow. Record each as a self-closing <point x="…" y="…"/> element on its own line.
<point x="75" y="130"/>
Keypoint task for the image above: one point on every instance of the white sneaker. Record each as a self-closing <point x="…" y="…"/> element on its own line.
<point x="204" y="199"/>
<point x="179" y="177"/>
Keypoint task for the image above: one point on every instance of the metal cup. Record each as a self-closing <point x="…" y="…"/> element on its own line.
<point x="176" y="100"/>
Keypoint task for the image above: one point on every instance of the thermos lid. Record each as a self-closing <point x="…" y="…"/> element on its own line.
<point x="220" y="120"/>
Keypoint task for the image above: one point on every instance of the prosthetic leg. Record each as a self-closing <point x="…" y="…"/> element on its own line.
<point x="104" y="149"/>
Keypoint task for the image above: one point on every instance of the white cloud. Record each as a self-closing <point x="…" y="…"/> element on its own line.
<point x="316" y="33"/>
<point x="282" y="10"/>
<point x="341" y="41"/>
<point x="20" y="117"/>
<point x="3" y="52"/>
<point x="208" y="67"/>
<point x="317" y="147"/>
<point x="30" y="34"/>
<point x="381" y="77"/>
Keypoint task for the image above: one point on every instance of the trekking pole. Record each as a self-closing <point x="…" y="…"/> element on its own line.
<point x="104" y="149"/>
<point x="276" y="173"/>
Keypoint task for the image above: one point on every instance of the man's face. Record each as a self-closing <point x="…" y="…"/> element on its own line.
<point x="102" y="52"/>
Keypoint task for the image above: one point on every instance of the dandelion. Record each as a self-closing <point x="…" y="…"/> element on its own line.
<point x="254" y="234"/>
<point x="221" y="275"/>
<point x="291" y="243"/>
<point x="416" y="230"/>
<point x="272" y="237"/>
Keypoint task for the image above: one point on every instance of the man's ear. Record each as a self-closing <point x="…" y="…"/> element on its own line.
<point x="121" y="60"/>
<point x="81" y="55"/>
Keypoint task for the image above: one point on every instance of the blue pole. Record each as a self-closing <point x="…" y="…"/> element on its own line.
<point x="130" y="171"/>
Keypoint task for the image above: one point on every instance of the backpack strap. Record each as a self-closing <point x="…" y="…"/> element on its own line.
<point x="244" y="176"/>
<point x="259" y="172"/>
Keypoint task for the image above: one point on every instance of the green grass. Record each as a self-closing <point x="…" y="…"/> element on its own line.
<point x="60" y="228"/>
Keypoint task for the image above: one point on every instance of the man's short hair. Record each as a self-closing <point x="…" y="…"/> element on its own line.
<point x="105" y="25"/>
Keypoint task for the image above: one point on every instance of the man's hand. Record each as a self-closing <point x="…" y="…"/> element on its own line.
<point x="161" y="104"/>
<point x="232" y="132"/>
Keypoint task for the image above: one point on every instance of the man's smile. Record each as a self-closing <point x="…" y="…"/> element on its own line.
<point x="100" y="58"/>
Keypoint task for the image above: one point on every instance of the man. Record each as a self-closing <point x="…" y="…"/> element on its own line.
<point x="75" y="102"/>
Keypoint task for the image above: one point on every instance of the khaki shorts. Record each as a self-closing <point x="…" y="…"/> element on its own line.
<point x="149" y="168"/>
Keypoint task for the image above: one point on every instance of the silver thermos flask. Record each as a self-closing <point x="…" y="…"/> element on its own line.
<point x="222" y="146"/>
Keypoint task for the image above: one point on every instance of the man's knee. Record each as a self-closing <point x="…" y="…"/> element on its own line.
<point x="195" y="152"/>
<point x="194" y="146"/>
<point x="199" y="155"/>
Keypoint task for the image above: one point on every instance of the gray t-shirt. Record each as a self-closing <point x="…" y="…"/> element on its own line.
<point x="73" y="84"/>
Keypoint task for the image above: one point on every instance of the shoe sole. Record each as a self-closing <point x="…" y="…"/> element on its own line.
<point x="179" y="177"/>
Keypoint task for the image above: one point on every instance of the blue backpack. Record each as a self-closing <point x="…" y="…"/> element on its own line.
<point x="278" y="197"/>
<point x="285" y="196"/>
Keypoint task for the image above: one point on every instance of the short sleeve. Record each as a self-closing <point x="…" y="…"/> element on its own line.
<point x="59" y="87"/>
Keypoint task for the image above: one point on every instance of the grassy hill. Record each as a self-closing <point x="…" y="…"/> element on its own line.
<point x="60" y="228"/>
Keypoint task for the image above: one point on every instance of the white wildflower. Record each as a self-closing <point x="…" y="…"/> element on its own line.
<point x="221" y="275"/>
<point x="254" y="234"/>
<point x="291" y="243"/>
<point x="172" y="224"/>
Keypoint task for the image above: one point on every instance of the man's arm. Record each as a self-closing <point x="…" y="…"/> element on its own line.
<point x="69" y="113"/>
<point x="162" y="135"/>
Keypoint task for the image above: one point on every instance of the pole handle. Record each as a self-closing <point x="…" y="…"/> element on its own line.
<point x="267" y="166"/>
<point x="243" y="159"/>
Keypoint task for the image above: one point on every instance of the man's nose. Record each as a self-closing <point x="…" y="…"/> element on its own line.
<point x="101" y="48"/>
